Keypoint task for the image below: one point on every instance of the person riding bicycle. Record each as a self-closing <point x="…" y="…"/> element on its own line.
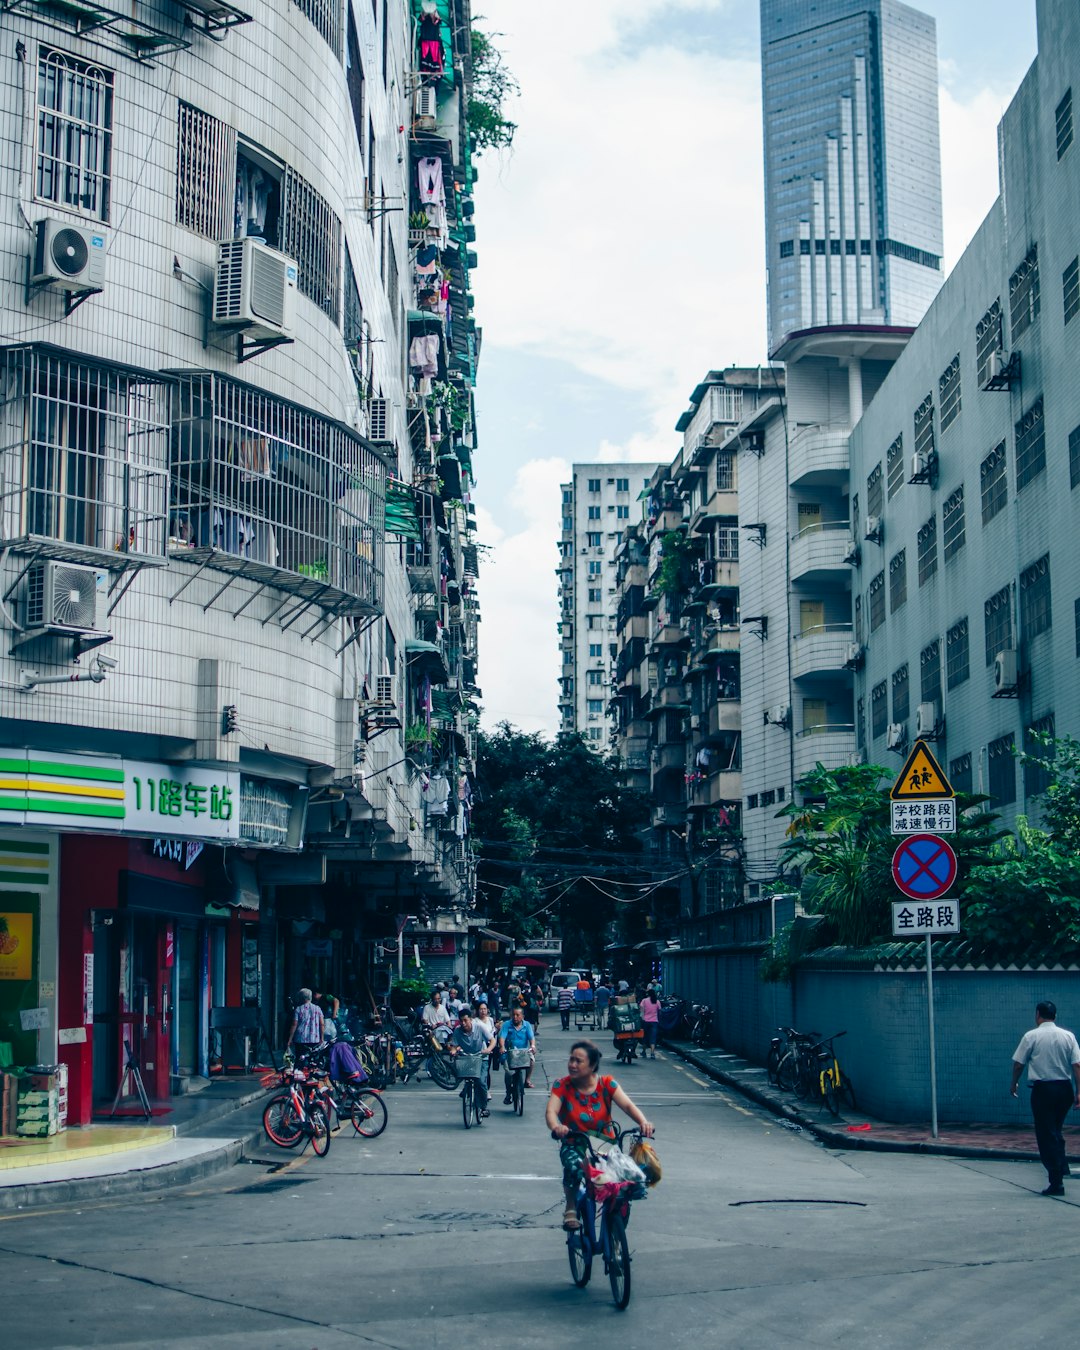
<point x="581" y="1103"/>
<point x="469" y="1038"/>
<point x="516" y="1034"/>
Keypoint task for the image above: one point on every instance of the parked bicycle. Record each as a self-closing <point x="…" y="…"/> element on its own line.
<point x="789" y="1064"/>
<point x="701" y="1034"/>
<point x="301" y="1111"/>
<point x="601" y="1228"/>
<point x="830" y="1084"/>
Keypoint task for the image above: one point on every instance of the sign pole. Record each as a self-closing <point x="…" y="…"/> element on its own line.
<point x="933" y="1052"/>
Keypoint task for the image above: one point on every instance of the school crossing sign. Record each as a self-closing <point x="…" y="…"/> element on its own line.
<point x="922" y="799"/>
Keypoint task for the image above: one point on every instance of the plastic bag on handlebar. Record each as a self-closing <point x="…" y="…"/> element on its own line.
<point x="614" y="1173"/>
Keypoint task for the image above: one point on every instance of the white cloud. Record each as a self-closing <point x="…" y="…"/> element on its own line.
<point x="969" y="167"/>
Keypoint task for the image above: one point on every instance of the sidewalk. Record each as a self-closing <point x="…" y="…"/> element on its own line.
<point x="194" y="1136"/>
<point x="865" y="1131"/>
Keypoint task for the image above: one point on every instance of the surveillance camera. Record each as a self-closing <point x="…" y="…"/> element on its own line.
<point x="107" y="662"/>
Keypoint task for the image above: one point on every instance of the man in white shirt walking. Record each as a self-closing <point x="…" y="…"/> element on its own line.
<point x="1052" y="1056"/>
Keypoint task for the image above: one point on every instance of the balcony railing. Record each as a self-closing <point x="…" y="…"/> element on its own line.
<point x="831" y="744"/>
<point x="818" y="552"/>
<point x="817" y="455"/>
<point x="822" y="650"/>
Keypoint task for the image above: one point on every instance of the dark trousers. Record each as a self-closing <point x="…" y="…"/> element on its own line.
<point x="564" y="1013"/>
<point x="1050" y="1103"/>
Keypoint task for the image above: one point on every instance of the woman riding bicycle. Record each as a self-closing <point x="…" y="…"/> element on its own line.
<point x="581" y="1103"/>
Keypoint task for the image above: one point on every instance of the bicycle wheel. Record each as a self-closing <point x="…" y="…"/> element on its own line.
<point x="618" y="1261"/>
<point x="320" y="1131"/>
<point x="806" y="1081"/>
<point x="580" y="1254"/>
<point x="281" y="1122"/>
<point x="786" y="1072"/>
<point x="846" y="1093"/>
<point x="467" y="1103"/>
<point x="519" y="1092"/>
<point x="441" y="1073"/>
<point x="829" y="1094"/>
<point x="772" y="1064"/>
<point x="368" y="1114"/>
<point x="477" y="1114"/>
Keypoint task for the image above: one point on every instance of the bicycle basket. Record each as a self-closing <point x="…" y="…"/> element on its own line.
<point x="468" y="1066"/>
<point x="518" y="1058"/>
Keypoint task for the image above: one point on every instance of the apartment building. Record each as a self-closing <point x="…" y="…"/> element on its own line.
<point x="239" y="581"/>
<point x="965" y="471"/>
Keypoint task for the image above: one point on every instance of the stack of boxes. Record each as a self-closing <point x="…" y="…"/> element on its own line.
<point x="38" y="1103"/>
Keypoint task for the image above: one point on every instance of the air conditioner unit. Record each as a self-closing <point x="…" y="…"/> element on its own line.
<point x="384" y="689"/>
<point x="895" y="736"/>
<point x="695" y="721"/>
<point x="68" y="257"/>
<point x="855" y="655"/>
<point x="920" y="466"/>
<point x="1006" y="672"/>
<point x="64" y="597"/>
<point x="851" y="552"/>
<point x="856" y="758"/>
<point x="779" y="714"/>
<point x="425" y="108"/>
<point x="378" y="419"/>
<point x="997" y="364"/>
<point x="254" y="289"/>
<point x="873" y="529"/>
<point x="926" y="720"/>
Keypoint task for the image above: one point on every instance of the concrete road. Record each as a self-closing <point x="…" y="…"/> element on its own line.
<point x="432" y="1237"/>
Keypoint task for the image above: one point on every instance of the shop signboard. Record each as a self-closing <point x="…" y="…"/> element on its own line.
<point x="16" y="946"/>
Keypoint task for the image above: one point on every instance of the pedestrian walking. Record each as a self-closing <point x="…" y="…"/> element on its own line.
<point x="650" y="1022"/>
<point x="566" y="1005"/>
<point x="306" y="1031"/>
<point x="1052" y="1056"/>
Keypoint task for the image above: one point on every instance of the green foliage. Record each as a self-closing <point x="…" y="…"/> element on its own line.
<point x="776" y="965"/>
<point x="413" y="986"/>
<point x="1028" y="898"/>
<point x="674" y="574"/>
<point x="1061" y="802"/>
<point x="492" y="86"/>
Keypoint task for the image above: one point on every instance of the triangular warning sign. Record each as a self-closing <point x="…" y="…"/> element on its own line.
<point x="921" y="776"/>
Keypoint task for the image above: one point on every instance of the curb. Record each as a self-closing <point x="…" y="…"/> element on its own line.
<point x="841" y="1138"/>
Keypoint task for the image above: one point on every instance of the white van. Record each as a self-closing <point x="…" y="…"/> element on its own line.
<point x="563" y="979"/>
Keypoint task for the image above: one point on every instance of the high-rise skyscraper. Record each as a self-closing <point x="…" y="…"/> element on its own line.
<point x="852" y="165"/>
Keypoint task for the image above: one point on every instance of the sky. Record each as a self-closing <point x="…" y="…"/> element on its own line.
<point x="621" y="256"/>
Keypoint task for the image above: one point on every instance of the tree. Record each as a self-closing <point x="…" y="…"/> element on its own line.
<point x="547" y="816"/>
<point x="492" y="86"/>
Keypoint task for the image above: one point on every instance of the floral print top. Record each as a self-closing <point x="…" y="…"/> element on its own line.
<point x="588" y="1112"/>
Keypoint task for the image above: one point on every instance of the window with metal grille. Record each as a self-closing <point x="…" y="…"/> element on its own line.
<point x="960" y="773"/>
<point x="1074" y="456"/>
<point x="876" y="602"/>
<point x="279" y="492"/>
<point x="956" y="654"/>
<point x="1038" y="770"/>
<point x="901" y="694"/>
<point x="1002" y="770"/>
<point x="1070" y="289"/>
<point x="725" y="471"/>
<point x="988" y="339"/>
<point x="326" y="16"/>
<point x="1076" y="624"/>
<point x="1030" y="445"/>
<point x="897" y="580"/>
<point x="994" y="483"/>
<point x="727" y="543"/>
<point x="73" y="154"/>
<point x="353" y="325"/>
<point x="858" y="619"/>
<point x="949" y="392"/>
<point x="311" y="235"/>
<point x="952" y="524"/>
<point x="205" y="177"/>
<point x="1063" y="123"/>
<point x="927" y="541"/>
<point x="875" y="499"/>
<point x="354" y="79"/>
<point x="860" y="723"/>
<point x="85" y="462"/>
<point x="997" y="615"/>
<point x="894" y="461"/>
<point x="930" y="673"/>
<point x="1036" y="615"/>
<point x="1024" y="294"/>
<point x="392" y="282"/>
<point x="879" y="709"/>
<point x="924" y="426"/>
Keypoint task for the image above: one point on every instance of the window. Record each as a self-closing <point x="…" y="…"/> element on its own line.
<point x="901" y="694"/>
<point x="622" y="513"/>
<point x="1063" y="123"/>
<point x="567" y="496"/>
<point x="725" y="471"/>
<point x="1030" y="445"/>
<point x="594" y="538"/>
<point x="949" y="392"/>
<point x="1038" y="776"/>
<point x="956" y="654"/>
<point x="1002" y="765"/>
<point x="1070" y="289"/>
<point x="787" y="248"/>
<point x="1035" y="613"/>
<point x="595" y="568"/>
<point x="594" y="705"/>
<point x="952" y="524"/>
<point x="567" y="524"/>
<point x="860" y="723"/>
<point x="595" y="733"/>
<point x="1074" y="456"/>
<point x="924" y="426"/>
<point x="594" y="597"/>
<point x="879" y="709"/>
<point x="960" y="773"/>
<point x="930" y="673"/>
<point x="354" y="79"/>
<point x="595" y="677"/>
<point x="897" y="580"/>
<point x="594" y="513"/>
<point x="997" y="613"/>
<point x="1076" y="624"/>
<point x="622" y="484"/>
<point x="311" y="233"/>
<point x="858" y="619"/>
<point x="875" y="500"/>
<point x="769" y="798"/>
<point x="594" y="484"/>
<point x="752" y="801"/>
<point x="804" y="247"/>
<point x="988" y="339"/>
<point x="876" y="602"/>
<point x="927" y="540"/>
<point x="326" y="16"/>
<point x="73" y="155"/>
<point x="353" y="324"/>
<point x="895" y="466"/>
<point x="205" y="187"/>
<point x="727" y="543"/>
<point x="1024" y="294"/>
<point x="994" y="484"/>
<point x="596" y="649"/>
<point x="819" y="247"/>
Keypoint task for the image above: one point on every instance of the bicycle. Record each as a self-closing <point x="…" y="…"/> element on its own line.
<point x="702" y="1031"/>
<point x="584" y="1244"/>
<point x="291" y="1115"/>
<point x="468" y="1069"/>
<point x="833" y="1085"/>
<point x="365" y="1108"/>
<point x="794" y="1067"/>
<point x="517" y="1064"/>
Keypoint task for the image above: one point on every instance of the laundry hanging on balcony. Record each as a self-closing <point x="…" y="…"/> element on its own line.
<point x="432" y="54"/>
<point x="429" y="175"/>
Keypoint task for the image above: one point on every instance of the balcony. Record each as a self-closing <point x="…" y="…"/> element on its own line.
<point x="821" y="651"/>
<point x="818" y="553"/>
<point x="669" y="698"/>
<point x="716" y="643"/>
<point x="722" y="505"/>
<point x="831" y="744"/>
<point x="723" y="718"/>
<point x="671" y="755"/>
<point x="670" y="636"/>
<point x="817" y="457"/>
<point x="715" y="789"/>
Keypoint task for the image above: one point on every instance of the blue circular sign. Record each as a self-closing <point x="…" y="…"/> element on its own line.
<point x="924" y="867"/>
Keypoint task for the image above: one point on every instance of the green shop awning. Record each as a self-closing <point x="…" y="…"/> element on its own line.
<point x="402" y="517"/>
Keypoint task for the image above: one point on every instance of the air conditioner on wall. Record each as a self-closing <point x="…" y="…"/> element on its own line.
<point x="254" y="289"/>
<point x="67" y="257"/>
<point x="926" y="720"/>
<point x="854" y="656"/>
<point x="997" y="364"/>
<point x="779" y="715"/>
<point x="62" y="597"/>
<point x="895" y="736"/>
<point x="851" y="552"/>
<point x="378" y="419"/>
<point x="873" y="529"/>
<point x="919" y="467"/>
<point x="425" y="108"/>
<point x="1006" y="671"/>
